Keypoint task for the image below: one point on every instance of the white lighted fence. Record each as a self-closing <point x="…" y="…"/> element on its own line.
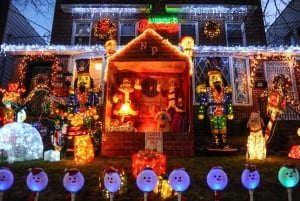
<point x="147" y="181"/>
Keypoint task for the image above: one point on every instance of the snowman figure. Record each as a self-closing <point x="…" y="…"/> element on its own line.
<point x="73" y="182"/>
<point x="37" y="181"/>
<point x="112" y="182"/>
<point x="6" y="181"/>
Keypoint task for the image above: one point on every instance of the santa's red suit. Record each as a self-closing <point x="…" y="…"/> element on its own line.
<point x="128" y="97"/>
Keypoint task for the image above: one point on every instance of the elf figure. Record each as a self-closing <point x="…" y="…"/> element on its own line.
<point x="216" y="98"/>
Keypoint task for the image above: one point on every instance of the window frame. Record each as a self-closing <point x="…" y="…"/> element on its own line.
<point x="74" y="29"/>
<point x="196" y="23"/>
<point x="243" y="33"/>
<point x="120" y="23"/>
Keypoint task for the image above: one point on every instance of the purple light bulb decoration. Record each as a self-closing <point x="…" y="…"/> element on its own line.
<point x="250" y="177"/>
<point x="146" y="180"/>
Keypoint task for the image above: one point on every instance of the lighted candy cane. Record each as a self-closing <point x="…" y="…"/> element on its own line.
<point x="270" y="125"/>
<point x="6" y="181"/>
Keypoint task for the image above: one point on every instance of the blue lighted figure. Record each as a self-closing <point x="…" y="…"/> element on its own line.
<point x="216" y="99"/>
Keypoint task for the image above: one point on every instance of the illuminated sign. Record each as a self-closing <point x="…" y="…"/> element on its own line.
<point x="160" y="24"/>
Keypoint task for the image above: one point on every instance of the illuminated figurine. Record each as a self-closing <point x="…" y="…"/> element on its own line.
<point x="110" y="47"/>
<point x="125" y="101"/>
<point x="216" y="99"/>
<point x="187" y="44"/>
<point x="276" y="101"/>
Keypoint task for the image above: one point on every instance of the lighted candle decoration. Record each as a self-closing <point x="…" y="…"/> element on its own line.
<point x="37" y="181"/>
<point x="217" y="180"/>
<point x="179" y="180"/>
<point x="6" y="181"/>
<point x="250" y="179"/>
<point x="288" y="176"/>
<point x="146" y="181"/>
<point x="73" y="182"/>
<point x="112" y="182"/>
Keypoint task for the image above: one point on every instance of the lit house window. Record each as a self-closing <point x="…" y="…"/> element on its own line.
<point x="81" y="33"/>
<point x="189" y="29"/>
<point x="235" y="34"/>
<point x="127" y="32"/>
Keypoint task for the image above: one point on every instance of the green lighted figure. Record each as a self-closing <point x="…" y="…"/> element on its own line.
<point x="216" y="99"/>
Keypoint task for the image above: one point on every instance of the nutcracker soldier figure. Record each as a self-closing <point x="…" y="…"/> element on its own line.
<point x="216" y="98"/>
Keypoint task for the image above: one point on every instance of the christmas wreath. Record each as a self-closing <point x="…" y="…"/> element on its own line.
<point x="212" y="30"/>
<point x="105" y="29"/>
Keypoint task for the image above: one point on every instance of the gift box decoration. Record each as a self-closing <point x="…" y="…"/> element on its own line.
<point x="148" y="159"/>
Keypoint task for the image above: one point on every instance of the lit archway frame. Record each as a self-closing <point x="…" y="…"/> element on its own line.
<point x="23" y="65"/>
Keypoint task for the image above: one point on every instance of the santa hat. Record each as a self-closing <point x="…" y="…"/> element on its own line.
<point x="36" y="171"/>
<point x="72" y="171"/>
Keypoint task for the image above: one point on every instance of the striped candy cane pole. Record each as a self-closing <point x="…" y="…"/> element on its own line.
<point x="270" y="125"/>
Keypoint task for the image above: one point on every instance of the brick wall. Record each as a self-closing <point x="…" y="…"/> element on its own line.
<point x="126" y="144"/>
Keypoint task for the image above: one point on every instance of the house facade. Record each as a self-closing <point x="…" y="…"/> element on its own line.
<point x="147" y="49"/>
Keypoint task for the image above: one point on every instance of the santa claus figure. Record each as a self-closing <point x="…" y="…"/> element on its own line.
<point x="125" y="101"/>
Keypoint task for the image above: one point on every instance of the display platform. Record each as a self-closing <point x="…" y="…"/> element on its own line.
<point x="222" y="151"/>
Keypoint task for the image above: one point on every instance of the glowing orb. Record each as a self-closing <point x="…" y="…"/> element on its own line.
<point x="37" y="180"/>
<point x="6" y="179"/>
<point x="250" y="178"/>
<point x="21" y="141"/>
<point x="112" y="181"/>
<point x="217" y="179"/>
<point x="146" y="180"/>
<point x="288" y="176"/>
<point x="179" y="180"/>
<point x="73" y="180"/>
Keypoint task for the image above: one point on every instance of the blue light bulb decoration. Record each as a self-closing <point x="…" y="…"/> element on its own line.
<point x="179" y="180"/>
<point x="73" y="180"/>
<point x="250" y="177"/>
<point x="37" y="179"/>
<point x="112" y="181"/>
<point x="146" y="180"/>
<point x="288" y="176"/>
<point x="6" y="179"/>
<point x="217" y="179"/>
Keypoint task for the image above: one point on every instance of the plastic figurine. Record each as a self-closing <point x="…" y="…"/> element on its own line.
<point x="216" y="99"/>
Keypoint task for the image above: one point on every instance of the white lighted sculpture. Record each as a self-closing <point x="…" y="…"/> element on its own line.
<point x="21" y="141"/>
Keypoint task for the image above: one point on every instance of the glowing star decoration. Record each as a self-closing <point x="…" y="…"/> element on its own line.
<point x="21" y="141"/>
<point x="112" y="181"/>
<point x="146" y="180"/>
<point x="288" y="176"/>
<point x="37" y="181"/>
<point x="250" y="177"/>
<point x="6" y="179"/>
<point x="179" y="180"/>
